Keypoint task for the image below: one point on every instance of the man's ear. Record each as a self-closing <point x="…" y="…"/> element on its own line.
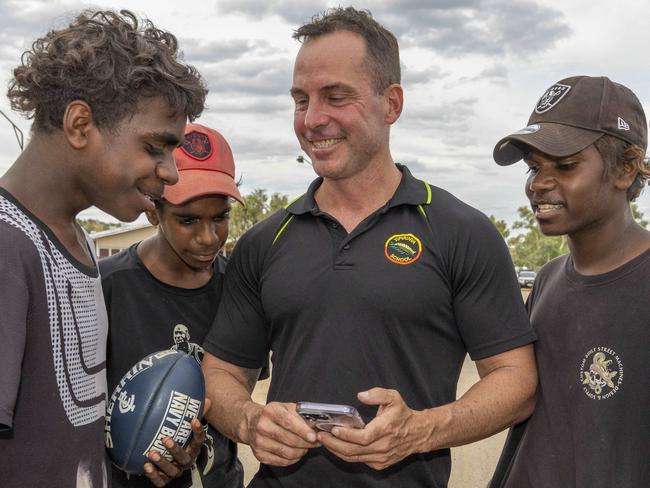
<point x="78" y="122"/>
<point x="395" y="98"/>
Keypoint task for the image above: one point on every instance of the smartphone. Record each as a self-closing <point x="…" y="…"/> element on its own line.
<point x="325" y="416"/>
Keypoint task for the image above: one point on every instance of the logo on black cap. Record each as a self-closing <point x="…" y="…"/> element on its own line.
<point x="551" y="98"/>
<point x="197" y="145"/>
<point x="622" y="125"/>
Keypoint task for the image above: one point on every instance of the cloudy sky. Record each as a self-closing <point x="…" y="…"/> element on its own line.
<point x="472" y="72"/>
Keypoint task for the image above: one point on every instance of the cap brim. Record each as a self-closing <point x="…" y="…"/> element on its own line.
<point x="556" y="140"/>
<point x="194" y="183"/>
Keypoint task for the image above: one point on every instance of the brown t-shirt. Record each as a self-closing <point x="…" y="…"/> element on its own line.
<point x="591" y="427"/>
<point x="53" y="329"/>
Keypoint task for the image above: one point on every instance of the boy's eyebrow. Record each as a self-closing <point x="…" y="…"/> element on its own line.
<point x="534" y="157"/>
<point x="573" y="157"/>
<point x="190" y="215"/>
<point x="529" y="156"/>
<point x="166" y="138"/>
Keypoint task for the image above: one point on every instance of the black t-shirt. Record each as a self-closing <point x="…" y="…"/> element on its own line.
<point x="396" y="304"/>
<point x="591" y="426"/>
<point x="147" y="315"/>
<point x="53" y="330"/>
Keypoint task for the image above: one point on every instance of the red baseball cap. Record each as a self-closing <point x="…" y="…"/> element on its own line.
<point x="205" y="167"/>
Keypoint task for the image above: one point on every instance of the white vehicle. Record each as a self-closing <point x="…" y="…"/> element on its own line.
<point x="526" y="278"/>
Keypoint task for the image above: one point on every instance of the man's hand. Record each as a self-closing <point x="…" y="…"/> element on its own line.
<point x="277" y="435"/>
<point x="391" y="436"/>
<point x="504" y="395"/>
<point x="160" y="471"/>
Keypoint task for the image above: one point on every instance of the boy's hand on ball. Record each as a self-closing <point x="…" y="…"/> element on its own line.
<point x="160" y="471"/>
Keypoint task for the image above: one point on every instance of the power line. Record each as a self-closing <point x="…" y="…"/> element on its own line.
<point x="17" y="132"/>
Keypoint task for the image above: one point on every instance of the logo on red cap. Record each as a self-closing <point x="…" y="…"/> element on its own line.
<point x="197" y="145"/>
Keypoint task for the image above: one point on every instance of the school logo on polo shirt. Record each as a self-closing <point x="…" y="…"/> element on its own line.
<point x="601" y="373"/>
<point x="403" y="248"/>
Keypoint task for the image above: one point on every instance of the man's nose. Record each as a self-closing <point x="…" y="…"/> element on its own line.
<point x="315" y="115"/>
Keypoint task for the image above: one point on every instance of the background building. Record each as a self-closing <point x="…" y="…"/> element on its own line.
<point x="112" y="241"/>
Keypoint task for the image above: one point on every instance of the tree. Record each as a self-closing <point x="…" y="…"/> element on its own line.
<point x="258" y="207"/>
<point x="531" y="248"/>
<point x="94" y="225"/>
<point x="638" y="216"/>
<point x="501" y="226"/>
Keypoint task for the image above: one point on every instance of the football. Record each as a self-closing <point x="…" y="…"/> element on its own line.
<point x="157" y="398"/>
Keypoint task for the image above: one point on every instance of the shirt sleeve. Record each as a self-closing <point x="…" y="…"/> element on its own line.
<point x="488" y="306"/>
<point x="240" y="332"/>
<point x="14" y="302"/>
<point x="107" y="290"/>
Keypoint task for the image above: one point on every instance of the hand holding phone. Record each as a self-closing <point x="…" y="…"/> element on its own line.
<point x="326" y="416"/>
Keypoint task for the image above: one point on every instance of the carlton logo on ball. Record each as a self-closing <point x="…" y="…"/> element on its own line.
<point x="127" y="403"/>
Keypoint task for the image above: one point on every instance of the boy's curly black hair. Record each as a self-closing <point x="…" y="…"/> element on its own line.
<point x="109" y="60"/>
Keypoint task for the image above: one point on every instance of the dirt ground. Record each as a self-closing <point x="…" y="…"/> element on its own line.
<point x="472" y="465"/>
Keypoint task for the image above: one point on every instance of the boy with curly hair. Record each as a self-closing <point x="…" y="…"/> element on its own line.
<point x="109" y="100"/>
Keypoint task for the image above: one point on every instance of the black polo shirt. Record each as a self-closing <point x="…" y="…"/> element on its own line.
<point x="397" y="303"/>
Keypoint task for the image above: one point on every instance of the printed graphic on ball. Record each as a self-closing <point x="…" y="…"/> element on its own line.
<point x="176" y="423"/>
<point x="157" y="398"/>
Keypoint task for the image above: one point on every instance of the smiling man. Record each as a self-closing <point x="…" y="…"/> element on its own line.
<point x="585" y="146"/>
<point x="110" y="101"/>
<point x="368" y="290"/>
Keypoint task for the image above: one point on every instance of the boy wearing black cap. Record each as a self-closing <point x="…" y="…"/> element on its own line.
<point x="585" y="148"/>
<point x="163" y="292"/>
<point x="109" y="100"/>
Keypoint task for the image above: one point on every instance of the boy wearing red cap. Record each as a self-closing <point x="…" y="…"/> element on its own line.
<point x="164" y="291"/>
<point x="585" y="149"/>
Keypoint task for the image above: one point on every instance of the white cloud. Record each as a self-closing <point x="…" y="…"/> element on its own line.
<point x="473" y="70"/>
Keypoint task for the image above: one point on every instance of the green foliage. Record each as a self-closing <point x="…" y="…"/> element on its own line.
<point x="530" y="248"/>
<point x="94" y="225"/>
<point x="638" y="216"/>
<point x="258" y="207"/>
<point x="501" y="226"/>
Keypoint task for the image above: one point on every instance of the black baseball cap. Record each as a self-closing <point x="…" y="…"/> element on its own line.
<point x="572" y="114"/>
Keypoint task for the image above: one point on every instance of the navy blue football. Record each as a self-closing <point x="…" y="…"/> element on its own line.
<point x="157" y="398"/>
